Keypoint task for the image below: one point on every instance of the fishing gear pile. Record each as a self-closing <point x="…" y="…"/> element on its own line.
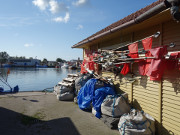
<point x="151" y="61"/>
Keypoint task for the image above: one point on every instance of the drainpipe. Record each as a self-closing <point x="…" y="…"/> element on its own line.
<point x="175" y="10"/>
<point x="148" y="14"/>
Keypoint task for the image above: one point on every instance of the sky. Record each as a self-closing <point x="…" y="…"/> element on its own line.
<point x="48" y="28"/>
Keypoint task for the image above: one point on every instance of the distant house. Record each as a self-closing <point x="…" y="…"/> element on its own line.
<point x="75" y="62"/>
<point x="159" y="98"/>
<point x="52" y="63"/>
<point x="24" y="62"/>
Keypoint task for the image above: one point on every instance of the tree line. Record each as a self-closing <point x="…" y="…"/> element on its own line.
<point x="4" y="56"/>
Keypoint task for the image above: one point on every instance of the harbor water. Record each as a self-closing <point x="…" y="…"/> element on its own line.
<point x="34" y="79"/>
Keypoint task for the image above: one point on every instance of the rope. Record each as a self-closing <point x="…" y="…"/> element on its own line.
<point x="123" y="127"/>
<point x="150" y="126"/>
<point x="46" y="89"/>
<point x="60" y="92"/>
<point x="125" y="124"/>
<point x="81" y="80"/>
<point x="113" y="106"/>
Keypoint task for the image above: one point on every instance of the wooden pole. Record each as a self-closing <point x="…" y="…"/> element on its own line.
<point x="160" y="107"/>
<point x="160" y="91"/>
<point x="132" y="39"/>
<point x="132" y="86"/>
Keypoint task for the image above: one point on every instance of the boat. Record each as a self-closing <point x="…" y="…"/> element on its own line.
<point x="11" y="90"/>
<point x="6" y="65"/>
<point x="72" y="67"/>
<point x="3" y="80"/>
<point x="41" y="66"/>
<point x="65" y="66"/>
<point x="57" y="66"/>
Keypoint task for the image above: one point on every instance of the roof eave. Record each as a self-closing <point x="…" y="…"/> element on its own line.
<point x="146" y="15"/>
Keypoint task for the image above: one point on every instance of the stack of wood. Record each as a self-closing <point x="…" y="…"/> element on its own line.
<point x="64" y="90"/>
<point x="73" y="76"/>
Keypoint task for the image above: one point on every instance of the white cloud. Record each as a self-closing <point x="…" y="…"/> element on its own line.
<point x="81" y="2"/>
<point x="61" y="19"/>
<point x="56" y="7"/>
<point x="79" y="27"/>
<point x="28" y="45"/>
<point x="11" y="21"/>
<point x="42" y="4"/>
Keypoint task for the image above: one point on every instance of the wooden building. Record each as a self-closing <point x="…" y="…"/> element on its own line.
<point x="161" y="99"/>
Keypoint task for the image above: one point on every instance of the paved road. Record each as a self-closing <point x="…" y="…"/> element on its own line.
<point x="18" y="113"/>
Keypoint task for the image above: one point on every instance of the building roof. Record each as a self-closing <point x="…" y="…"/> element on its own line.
<point x="120" y="22"/>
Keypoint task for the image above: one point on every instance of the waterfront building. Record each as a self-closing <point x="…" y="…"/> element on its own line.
<point x="52" y="63"/>
<point x="24" y="62"/>
<point x="159" y="98"/>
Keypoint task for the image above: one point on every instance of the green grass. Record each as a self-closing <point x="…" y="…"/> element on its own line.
<point x="29" y="120"/>
<point x="39" y="115"/>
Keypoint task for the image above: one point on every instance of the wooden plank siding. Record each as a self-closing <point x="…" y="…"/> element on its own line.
<point x="171" y="34"/>
<point x="171" y="102"/>
<point x="160" y="99"/>
<point x="146" y="94"/>
<point x="171" y="84"/>
<point x="147" y="32"/>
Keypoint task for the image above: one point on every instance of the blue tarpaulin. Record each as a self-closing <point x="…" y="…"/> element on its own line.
<point x="88" y="94"/>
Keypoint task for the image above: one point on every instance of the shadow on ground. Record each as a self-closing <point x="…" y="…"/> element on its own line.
<point x="13" y="123"/>
<point x="34" y="100"/>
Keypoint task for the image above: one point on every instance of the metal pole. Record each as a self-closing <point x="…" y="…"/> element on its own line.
<point x="154" y="35"/>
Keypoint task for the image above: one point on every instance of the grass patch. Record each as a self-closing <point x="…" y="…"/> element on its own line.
<point x="39" y="115"/>
<point x="29" y="120"/>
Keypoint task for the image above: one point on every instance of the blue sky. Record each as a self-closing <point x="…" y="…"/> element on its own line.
<point x="48" y="28"/>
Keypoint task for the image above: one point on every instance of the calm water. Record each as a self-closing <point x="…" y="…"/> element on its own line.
<point x="34" y="79"/>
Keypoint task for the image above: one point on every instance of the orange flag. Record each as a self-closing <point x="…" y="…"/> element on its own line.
<point x="8" y="72"/>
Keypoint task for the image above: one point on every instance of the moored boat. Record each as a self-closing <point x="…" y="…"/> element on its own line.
<point x="41" y="66"/>
<point x="65" y="66"/>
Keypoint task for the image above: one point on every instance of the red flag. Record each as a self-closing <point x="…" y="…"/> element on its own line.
<point x="91" y="65"/>
<point x="159" y="52"/>
<point x="158" y="65"/>
<point x="125" y="69"/>
<point x="147" y="43"/>
<point x="83" y="70"/>
<point x="175" y="55"/>
<point x="133" y="49"/>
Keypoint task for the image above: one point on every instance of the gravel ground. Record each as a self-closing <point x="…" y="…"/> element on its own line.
<point x="37" y="113"/>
